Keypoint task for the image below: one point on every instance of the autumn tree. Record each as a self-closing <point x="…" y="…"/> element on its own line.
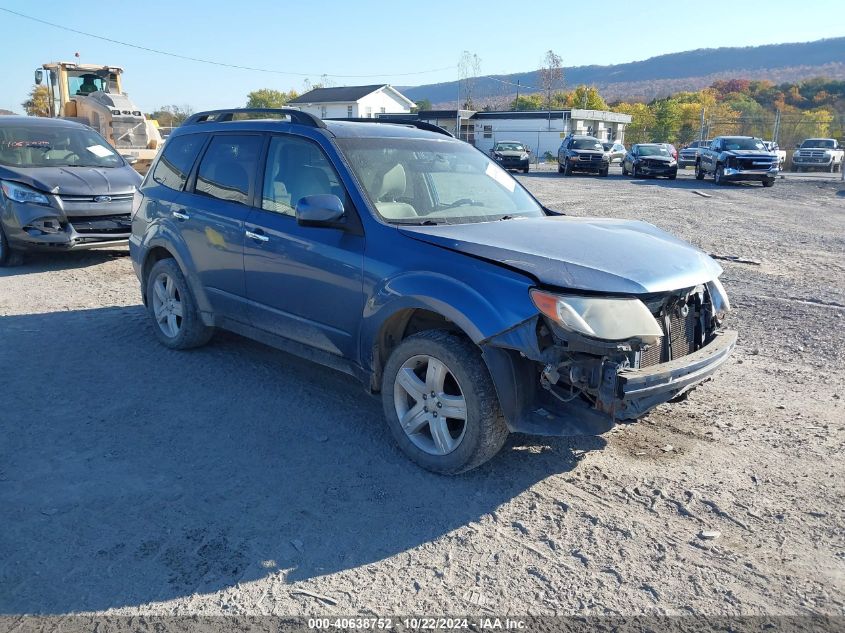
<point x="172" y="115"/>
<point x="38" y="103"/>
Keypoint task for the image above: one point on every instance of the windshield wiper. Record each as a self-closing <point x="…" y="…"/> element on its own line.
<point x="460" y="203"/>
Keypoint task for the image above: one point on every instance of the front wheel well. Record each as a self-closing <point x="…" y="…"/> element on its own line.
<point x="399" y="327"/>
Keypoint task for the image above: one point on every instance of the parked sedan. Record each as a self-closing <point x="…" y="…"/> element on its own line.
<point x="63" y="188"/>
<point x="650" y="159"/>
<point x="615" y="151"/>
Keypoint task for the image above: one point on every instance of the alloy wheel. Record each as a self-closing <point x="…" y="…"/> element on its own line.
<point x="167" y="305"/>
<point x="430" y="405"/>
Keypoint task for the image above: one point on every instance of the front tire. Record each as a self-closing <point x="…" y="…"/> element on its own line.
<point x="8" y="256"/>
<point x="768" y="182"/>
<point x="624" y="169"/>
<point x="173" y="308"/>
<point x="635" y="173"/>
<point x="440" y="403"/>
<point x="699" y="172"/>
<point x="719" y="175"/>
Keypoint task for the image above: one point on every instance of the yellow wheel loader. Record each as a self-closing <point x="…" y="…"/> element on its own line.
<point x="93" y="95"/>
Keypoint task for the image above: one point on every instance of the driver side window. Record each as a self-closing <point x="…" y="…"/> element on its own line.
<point x="296" y="168"/>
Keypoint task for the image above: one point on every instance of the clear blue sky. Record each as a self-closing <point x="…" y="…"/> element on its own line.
<point x="382" y="39"/>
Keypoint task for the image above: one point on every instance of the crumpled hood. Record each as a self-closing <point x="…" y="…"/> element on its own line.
<point x="75" y="181"/>
<point x="592" y="254"/>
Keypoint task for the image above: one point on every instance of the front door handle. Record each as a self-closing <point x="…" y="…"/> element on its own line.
<point x="181" y="216"/>
<point x="258" y="237"/>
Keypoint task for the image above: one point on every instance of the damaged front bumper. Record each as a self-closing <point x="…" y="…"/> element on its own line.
<point x="69" y="224"/>
<point x="635" y="391"/>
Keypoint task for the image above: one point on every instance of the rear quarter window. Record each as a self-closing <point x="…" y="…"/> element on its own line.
<point x="177" y="158"/>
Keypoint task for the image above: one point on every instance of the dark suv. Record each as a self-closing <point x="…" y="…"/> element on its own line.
<point x="582" y="153"/>
<point x="415" y="263"/>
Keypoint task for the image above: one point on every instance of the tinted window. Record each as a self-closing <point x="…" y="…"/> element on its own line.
<point x="176" y="160"/>
<point x="228" y="168"/>
<point x="296" y="168"/>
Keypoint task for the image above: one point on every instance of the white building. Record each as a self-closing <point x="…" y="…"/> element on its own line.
<point x="353" y="102"/>
<point x="540" y="131"/>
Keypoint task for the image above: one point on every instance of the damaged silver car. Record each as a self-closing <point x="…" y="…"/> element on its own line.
<point x="63" y="188"/>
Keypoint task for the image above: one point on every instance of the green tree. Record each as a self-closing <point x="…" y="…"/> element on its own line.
<point x="528" y="102"/>
<point x="269" y="98"/>
<point x="422" y="104"/>
<point x="667" y="120"/>
<point x="38" y="103"/>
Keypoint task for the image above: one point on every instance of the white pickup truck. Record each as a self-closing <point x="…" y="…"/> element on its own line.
<point x="824" y="154"/>
<point x="774" y="149"/>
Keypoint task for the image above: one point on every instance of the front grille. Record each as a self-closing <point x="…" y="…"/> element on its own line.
<point x="755" y="163"/>
<point x="117" y="197"/>
<point x="592" y="158"/>
<point x="108" y="224"/>
<point x="681" y="332"/>
<point x="655" y="164"/>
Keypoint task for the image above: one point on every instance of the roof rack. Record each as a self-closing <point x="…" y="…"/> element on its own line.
<point x="217" y="116"/>
<point x="422" y="125"/>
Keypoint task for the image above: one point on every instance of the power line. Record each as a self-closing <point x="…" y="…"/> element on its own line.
<point x="213" y="62"/>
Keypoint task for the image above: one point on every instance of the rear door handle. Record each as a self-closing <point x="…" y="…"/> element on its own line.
<point x="181" y="216"/>
<point x="258" y="237"/>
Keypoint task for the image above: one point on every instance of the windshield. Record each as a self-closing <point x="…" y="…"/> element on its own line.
<point x="652" y="150"/>
<point x="428" y="181"/>
<point x="824" y="143"/>
<point x="731" y="144"/>
<point x="55" y="146"/>
<point x="509" y="147"/>
<point x="585" y="143"/>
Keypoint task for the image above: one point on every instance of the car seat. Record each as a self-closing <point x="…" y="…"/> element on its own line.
<point x="393" y="184"/>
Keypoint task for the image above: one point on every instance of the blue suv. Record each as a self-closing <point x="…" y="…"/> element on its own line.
<point x="412" y="261"/>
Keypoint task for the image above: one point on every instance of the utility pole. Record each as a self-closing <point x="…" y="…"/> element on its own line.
<point x="516" y="103"/>
<point x="701" y="135"/>
<point x="776" y="131"/>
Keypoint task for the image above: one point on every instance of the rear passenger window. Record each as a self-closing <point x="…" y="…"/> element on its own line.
<point x="178" y="157"/>
<point x="227" y="170"/>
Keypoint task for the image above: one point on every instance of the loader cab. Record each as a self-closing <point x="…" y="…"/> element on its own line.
<point x="66" y="81"/>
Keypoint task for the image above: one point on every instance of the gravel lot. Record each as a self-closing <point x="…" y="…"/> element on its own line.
<point x="238" y="479"/>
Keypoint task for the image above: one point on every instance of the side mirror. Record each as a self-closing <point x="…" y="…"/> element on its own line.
<point x="39" y="76"/>
<point x="324" y="210"/>
<point x="798" y="146"/>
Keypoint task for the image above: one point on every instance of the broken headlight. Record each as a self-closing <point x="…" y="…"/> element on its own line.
<point x="718" y="300"/>
<point x="612" y="319"/>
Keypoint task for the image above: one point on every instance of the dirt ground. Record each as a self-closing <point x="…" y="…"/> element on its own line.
<point x="236" y="479"/>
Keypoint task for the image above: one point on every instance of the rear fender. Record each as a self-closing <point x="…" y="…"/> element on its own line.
<point x="160" y="235"/>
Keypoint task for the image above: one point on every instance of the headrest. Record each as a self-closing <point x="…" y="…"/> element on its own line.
<point x="393" y="182"/>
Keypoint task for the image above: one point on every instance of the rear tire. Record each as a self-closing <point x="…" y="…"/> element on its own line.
<point x="699" y="172"/>
<point x="452" y="367"/>
<point x="173" y="308"/>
